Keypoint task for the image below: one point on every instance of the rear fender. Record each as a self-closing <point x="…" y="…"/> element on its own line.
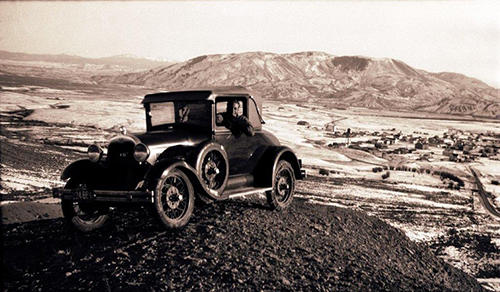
<point x="266" y="169"/>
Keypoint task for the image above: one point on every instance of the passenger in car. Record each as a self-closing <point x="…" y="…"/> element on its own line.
<point x="234" y="120"/>
<point x="184" y="114"/>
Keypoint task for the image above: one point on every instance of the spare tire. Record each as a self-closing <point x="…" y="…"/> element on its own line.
<point x="212" y="167"/>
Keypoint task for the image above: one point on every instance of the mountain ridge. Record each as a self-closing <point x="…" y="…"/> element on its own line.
<point x="378" y="83"/>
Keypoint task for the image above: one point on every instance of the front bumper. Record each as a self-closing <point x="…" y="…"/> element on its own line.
<point x="82" y="194"/>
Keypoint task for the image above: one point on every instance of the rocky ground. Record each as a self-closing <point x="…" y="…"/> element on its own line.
<point x="237" y="244"/>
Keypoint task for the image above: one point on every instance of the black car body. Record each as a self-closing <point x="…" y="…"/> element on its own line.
<point x="184" y="154"/>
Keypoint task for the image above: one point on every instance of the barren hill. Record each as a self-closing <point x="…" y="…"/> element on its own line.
<point x="308" y="76"/>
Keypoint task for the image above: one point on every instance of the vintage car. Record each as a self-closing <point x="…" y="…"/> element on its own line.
<point x="186" y="153"/>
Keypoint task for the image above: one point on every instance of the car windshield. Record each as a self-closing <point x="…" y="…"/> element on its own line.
<point x="180" y="113"/>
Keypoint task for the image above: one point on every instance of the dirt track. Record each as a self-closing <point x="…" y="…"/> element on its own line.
<point x="231" y="245"/>
<point x="483" y="195"/>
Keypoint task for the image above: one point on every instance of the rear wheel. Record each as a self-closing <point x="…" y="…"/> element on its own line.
<point x="281" y="195"/>
<point x="174" y="199"/>
<point x="81" y="215"/>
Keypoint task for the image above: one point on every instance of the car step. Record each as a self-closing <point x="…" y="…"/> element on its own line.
<point x="245" y="192"/>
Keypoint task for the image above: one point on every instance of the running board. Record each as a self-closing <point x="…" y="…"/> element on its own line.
<point x="246" y="191"/>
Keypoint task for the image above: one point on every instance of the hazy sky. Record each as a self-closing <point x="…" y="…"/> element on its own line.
<point x="458" y="36"/>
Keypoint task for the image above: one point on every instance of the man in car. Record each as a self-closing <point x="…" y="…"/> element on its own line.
<point x="234" y="119"/>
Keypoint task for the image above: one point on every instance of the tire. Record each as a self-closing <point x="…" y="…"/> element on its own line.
<point x="83" y="217"/>
<point x="174" y="199"/>
<point x="281" y="196"/>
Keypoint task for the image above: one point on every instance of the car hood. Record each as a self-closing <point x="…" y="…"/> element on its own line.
<point x="158" y="141"/>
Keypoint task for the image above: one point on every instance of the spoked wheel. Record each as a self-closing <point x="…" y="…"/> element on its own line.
<point x="81" y="215"/>
<point x="174" y="199"/>
<point x="281" y="195"/>
<point x="212" y="167"/>
<point x="214" y="170"/>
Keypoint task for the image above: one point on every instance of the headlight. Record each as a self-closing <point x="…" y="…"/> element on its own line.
<point x="141" y="152"/>
<point x="94" y="152"/>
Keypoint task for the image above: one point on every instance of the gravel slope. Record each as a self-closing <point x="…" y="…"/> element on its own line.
<point x="237" y="244"/>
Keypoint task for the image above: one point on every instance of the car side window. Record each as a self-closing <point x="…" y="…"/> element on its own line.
<point x="162" y="113"/>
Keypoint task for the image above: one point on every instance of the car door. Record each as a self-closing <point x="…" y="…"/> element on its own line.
<point x="239" y="148"/>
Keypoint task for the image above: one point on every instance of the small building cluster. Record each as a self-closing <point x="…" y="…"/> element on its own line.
<point x="458" y="146"/>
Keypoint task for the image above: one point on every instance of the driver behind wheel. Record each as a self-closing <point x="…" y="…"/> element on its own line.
<point x="234" y="120"/>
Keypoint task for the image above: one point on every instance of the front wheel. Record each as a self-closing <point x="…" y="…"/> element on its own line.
<point x="83" y="216"/>
<point x="281" y="195"/>
<point x="174" y="199"/>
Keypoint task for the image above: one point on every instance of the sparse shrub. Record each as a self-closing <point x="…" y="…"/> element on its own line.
<point x="495" y="182"/>
<point x="484" y="244"/>
<point x="391" y="167"/>
<point x="414" y="169"/>
<point x="451" y="176"/>
<point x="377" y="169"/>
<point x="323" y="171"/>
<point x="386" y="175"/>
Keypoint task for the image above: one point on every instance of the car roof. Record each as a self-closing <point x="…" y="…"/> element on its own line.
<point x="195" y="94"/>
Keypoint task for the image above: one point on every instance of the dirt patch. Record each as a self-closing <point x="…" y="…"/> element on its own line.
<point x="29" y="169"/>
<point x="17" y="212"/>
<point x="230" y="245"/>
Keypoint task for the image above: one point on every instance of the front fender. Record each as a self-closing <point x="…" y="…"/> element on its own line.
<point x="164" y="167"/>
<point x="266" y="169"/>
<point x="178" y="152"/>
<point x="160" y="166"/>
<point x="80" y="169"/>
